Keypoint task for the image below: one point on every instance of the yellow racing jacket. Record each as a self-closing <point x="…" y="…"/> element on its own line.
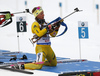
<point x="42" y="32"/>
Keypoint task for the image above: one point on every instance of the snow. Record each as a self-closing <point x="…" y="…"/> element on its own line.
<point x="64" y="46"/>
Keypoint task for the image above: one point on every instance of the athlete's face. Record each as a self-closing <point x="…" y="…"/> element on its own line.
<point x="41" y="15"/>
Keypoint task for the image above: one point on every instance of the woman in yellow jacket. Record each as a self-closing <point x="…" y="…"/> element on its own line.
<point x="43" y="46"/>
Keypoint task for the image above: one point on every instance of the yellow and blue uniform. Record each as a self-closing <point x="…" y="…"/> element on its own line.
<point x="43" y="48"/>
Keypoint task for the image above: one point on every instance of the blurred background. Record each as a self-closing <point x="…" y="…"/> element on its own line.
<point x="68" y="45"/>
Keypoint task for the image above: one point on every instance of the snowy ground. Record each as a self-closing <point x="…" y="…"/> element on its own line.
<point x="64" y="46"/>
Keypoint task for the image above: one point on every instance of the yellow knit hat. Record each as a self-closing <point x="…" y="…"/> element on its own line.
<point x="37" y="11"/>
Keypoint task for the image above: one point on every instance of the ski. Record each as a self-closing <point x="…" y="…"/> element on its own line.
<point x="11" y="52"/>
<point x="71" y="60"/>
<point x="81" y="73"/>
<point x="64" y="61"/>
<point x="43" y="62"/>
<point x="10" y="63"/>
<point x="8" y="55"/>
<point x="14" y="57"/>
<point x="1" y="62"/>
<point x="16" y="70"/>
<point x="5" y="66"/>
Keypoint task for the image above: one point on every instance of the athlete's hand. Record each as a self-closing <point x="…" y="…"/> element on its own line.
<point x="57" y="26"/>
<point x="7" y="16"/>
<point x="49" y="27"/>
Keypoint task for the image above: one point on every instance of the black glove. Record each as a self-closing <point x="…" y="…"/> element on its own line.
<point x="58" y="23"/>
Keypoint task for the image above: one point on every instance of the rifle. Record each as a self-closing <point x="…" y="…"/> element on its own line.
<point x="53" y="23"/>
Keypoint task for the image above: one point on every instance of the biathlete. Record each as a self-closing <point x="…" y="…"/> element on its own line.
<point x="43" y="49"/>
